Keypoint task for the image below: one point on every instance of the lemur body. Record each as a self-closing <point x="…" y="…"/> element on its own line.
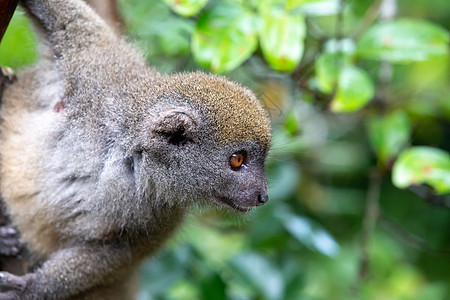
<point x="102" y="156"/>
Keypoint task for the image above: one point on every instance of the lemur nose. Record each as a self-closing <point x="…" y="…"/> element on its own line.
<point x="262" y="199"/>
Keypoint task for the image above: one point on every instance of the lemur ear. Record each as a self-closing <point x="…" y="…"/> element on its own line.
<point x="177" y="126"/>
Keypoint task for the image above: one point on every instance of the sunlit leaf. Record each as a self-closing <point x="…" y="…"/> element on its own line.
<point x="18" y="47"/>
<point x="261" y="273"/>
<point x="225" y="37"/>
<point x="183" y="290"/>
<point x="327" y="71"/>
<point x="354" y="90"/>
<point x="404" y="40"/>
<point x="319" y="7"/>
<point x="336" y="56"/>
<point x="308" y="233"/>
<point x="186" y="8"/>
<point x="418" y="165"/>
<point x="345" y="46"/>
<point x="291" y="123"/>
<point x="282" y="38"/>
<point x="388" y="134"/>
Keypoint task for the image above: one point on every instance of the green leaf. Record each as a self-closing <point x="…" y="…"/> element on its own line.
<point x="319" y="7"/>
<point x="389" y="134"/>
<point x="186" y="8"/>
<point x="418" y="165"/>
<point x="291" y="123"/>
<point x="18" y="47"/>
<point x="212" y="245"/>
<point x="337" y="55"/>
<point x="327" y="71"/>
<point x="173" y="264"/>
<point x="175" y="39"/>
<point x="225" y="37"/>
<point x="345" y="47"/>
<point x="183" y="290"/>
<point x="290" y="4"/>
<point x="260" y="273"/>
<point x="213" y="287"/>
<point x="282" y="38"/>
<point x="308" y="233"/>
<point x="286" y="178"/>
<point x="403" y="41"/>
<point x="354" y="90"/>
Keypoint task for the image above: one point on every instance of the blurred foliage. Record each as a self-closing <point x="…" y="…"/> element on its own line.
<point x="423" y="165"/>
<point x="359" y="94"/>
<point x="18" y="45"/>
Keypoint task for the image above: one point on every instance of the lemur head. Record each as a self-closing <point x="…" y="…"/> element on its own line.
<point x="207" y="142"/>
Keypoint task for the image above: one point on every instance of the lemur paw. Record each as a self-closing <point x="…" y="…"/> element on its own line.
<point x="11" y="286"/>
<point x="11" y="295"/>
<point x="10" y="243"/>
<point x="11" y="281"/>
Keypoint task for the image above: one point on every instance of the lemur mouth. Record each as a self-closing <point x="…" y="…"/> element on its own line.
<point x="231" y="204"/>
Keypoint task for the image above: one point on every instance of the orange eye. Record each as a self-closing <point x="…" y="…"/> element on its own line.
<point x="236" y="160"/>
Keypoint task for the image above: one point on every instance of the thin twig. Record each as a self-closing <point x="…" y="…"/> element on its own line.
<point x="387" y="11"/>
<point x="340" y="21"/>
<point x="369" y="17"/>
<point x="370" y="219"/>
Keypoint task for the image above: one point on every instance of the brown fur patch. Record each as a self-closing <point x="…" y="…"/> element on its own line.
<point x="234" y="110"/>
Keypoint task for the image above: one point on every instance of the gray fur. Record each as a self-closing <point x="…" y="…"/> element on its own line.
<point x="94" y="172"/>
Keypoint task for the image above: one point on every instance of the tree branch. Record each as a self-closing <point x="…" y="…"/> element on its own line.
<point x="387" y="11"/>
<point x="7" y="8"/>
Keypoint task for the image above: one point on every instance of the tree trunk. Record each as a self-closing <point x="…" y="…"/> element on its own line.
<point x="7" y="8"/>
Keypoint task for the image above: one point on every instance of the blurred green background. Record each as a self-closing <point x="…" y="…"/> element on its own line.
<point x="359" y="171"/>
